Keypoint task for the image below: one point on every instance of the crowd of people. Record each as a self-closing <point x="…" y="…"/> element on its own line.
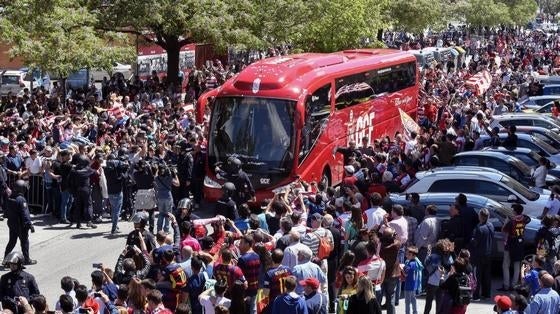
<point x="133" y="150"/>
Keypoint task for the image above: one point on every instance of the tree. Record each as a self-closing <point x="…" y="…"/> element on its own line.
<point x="551" y="7"/>
<point x="417" y="15"/>
<point x="485" y="13"/>
<point x="521" y="12"/>
<point x="59" y="36"/>
<point x="172" y="24"/>
<point x="340" y="24"/>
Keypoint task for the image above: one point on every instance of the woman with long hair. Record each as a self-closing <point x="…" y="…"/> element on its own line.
<point x="349" y="281"/>
<point x="347" y="259"/>
<point x="136" y="300"/>
<point x="353" y="226"/>
<point x="364" y="301"/>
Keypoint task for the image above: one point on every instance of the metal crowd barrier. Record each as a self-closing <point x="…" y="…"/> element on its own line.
<point x="36" y="193"/>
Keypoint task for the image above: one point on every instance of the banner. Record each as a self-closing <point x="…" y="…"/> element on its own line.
<point x="480" y="82"/>
<point x="408" y="123"/>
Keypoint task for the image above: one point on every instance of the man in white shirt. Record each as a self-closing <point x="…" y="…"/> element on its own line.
<point x="552" y="206"/>
<point x="210" y="300"/>
<point x="291" y="253"/>
<point x="33" y="163"/>
<point x="412" y="144"/>
<point x="376" y="213"/>
<point x="399" y="223"/>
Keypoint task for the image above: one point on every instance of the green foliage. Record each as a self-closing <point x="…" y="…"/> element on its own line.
<point x="340" y="24"/>
<point x="417" y="15"/>
<point x="551" y="7"/>
<point x="497" y="12"/>
<point x="59" y="36"/>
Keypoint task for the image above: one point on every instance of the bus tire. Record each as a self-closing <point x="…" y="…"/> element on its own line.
<point x="326" y="177"/>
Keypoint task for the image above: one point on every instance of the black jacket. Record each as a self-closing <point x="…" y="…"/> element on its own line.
<point x="18" y="284"/>
<point x="357" y="304"/>
<point x="17" y="213"/>
<point x="115" y="174"/>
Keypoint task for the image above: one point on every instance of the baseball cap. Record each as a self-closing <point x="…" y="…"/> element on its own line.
<point x="503" y="302"/>
<point x="313" y="283"/>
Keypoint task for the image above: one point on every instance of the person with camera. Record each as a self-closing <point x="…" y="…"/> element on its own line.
<point x="459" y="299"/>
<point x="126" y="269"/>
<point x="19" y="222"/>
<point x="115" y="170"/>
<point x="145" y="199"/>
<point x="165" y="179"/>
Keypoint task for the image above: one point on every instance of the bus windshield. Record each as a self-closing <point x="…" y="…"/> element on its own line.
<point x="259" y="131"/>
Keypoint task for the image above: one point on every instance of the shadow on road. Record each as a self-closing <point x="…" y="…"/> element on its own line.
<point x="86" y="235"/>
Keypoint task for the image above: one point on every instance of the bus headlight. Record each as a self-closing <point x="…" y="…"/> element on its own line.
<point x="208" y="182"/>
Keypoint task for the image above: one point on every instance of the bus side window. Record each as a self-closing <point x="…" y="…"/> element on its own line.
<point x="317" y="110"/>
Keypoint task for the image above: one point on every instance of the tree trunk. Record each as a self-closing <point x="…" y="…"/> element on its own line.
<point x="173" y="50"/>
<point x="380" y="34"/>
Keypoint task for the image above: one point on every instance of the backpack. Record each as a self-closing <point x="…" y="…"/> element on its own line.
<point x="464" y="291"/>
<point x="325" y="246"/>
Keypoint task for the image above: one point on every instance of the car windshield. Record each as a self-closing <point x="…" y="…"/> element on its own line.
<point x="526" y="170"/>
<point x="500" y="210"/>
<point x="10" y="79"/>
<point x="520" y="189"/>
<point x="259" y="131"/>
<point x="550" y="138"/>
<point x="532" y="159"/>
<point x="544" y="146"/>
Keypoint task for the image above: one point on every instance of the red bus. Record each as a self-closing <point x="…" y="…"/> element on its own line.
<point x="283" y="116"/>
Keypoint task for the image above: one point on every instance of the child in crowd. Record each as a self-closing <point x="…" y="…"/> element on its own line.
<point x="412" y="279"/>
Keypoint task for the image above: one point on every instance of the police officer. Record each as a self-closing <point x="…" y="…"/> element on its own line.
<point x="184" y="211"/>
<point x="80" y="186"/>
<point x="140" y="219"/>
<point x="19" y="221"/>
<point x="226" y="206"/>
<point x="184" y="171"/>
<point x="17" y="283"/>
<point x="244" y="190"/>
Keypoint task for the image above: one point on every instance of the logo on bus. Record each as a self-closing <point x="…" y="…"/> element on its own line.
<point x="265" y="181"/>
<point x="403" y="101"/>
<point x="256" y="85"/>
<point x="362" y="126"/>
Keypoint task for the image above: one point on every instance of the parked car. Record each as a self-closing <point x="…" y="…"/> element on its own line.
<point x="528" y="156"/>
<point x="532" y="142"/>
<point x="499" y="213"/>
<point x="12" y="82"/>
<point x="548" y="136"/>
<point x="552" y="89"/>
<point x="525" y="119"/>
<point x="79" y="80"/>
<point x="507" y="164"/>
<point x="480" y="181"/>
<point x="535" y="102"/>
<point x="124" y="69"/>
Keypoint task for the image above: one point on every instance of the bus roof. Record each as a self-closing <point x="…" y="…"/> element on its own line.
<point x="291" y="74"/>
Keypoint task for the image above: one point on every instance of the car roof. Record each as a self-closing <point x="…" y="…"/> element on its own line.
<point x="469" y="171"/>
<point x="440" y="197"/>
<point x="551" y="85"/>
<point x="522" y="128"/>
<point x="523" y="115"/>
<point x="543" y="97"/>
<point x="12" y="72"/>
<point x="508" y="149"/>
<point x="486" y="153"/>
<point x="524" y="136"/>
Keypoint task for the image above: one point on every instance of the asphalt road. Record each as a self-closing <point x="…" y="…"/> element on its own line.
<point x="62" y="251"/>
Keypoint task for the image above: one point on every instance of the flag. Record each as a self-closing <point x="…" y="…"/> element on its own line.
<point x="408" y="123"/>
